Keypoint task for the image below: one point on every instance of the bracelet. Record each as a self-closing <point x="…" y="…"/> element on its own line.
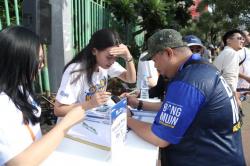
<point x="139" y="107"/>
<point x="130" y="60"/>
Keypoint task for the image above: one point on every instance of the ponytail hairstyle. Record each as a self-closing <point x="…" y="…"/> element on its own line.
<point x="100" y="40"/>
<point x="19" y="50"/>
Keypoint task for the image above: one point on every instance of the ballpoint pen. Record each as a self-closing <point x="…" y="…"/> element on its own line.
<point x="91" y="129"/>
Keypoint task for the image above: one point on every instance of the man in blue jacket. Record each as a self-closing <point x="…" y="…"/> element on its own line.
<point x="198" y="121"/>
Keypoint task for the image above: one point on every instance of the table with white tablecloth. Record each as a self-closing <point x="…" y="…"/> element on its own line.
<point x="135" y="151"/>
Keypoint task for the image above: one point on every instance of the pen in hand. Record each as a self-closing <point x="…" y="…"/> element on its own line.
<point x="134" y="92"/>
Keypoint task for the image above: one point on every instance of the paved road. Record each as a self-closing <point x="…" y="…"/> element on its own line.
<point x="246" y="131"/>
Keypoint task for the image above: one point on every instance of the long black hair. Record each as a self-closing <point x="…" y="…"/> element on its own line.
<point x="100" y="40"/>
<point x="19" y="50"/>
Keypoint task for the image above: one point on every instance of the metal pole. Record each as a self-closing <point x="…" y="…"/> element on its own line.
<point x="73" y="25"/>
<point x="45" y="72"/>
<point x="82" y="25"/>
<point x="0" y="24"/>
<point x="40" y="81"/>
<point x="7" y="13"/>
<point x="79" y="24"/>
<point x="87" y="21"/>
<point x="76" y="26"/>
<point x="17" y="12"/>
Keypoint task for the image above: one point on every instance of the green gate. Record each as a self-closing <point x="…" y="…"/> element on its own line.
<point x="9" y="13"/>
<point x="88" y="17"/>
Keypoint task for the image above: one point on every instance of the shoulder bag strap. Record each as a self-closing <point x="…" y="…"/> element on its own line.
<point x="244" y="57"/>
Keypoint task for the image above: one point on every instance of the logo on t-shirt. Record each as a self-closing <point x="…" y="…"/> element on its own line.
<point x="170" y="114"/>
<point x="93" y="88"/>
<point x="64" y="94"/>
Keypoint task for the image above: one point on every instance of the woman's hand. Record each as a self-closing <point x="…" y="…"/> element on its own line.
<point x="73" y="117"/>
<point x="131" y="98"/>
<point x="121" y="51"/>
<point x="99" y="98"/>
<point x="132" y="101"/>
<point x="132" y="93"/>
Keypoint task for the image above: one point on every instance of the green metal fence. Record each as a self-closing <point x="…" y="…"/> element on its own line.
<point x="9" y="13"/>
<point x="92" y="15"/>
<point x="88" y="17"/>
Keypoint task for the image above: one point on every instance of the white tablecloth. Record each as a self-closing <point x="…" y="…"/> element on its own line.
<point x="135" y="152"/>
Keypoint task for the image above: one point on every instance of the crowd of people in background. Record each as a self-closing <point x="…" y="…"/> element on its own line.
<point x="197" y="122"/>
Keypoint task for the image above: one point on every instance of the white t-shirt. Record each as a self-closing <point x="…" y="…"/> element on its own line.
<point x="14" y="135"/>
<point x="228" y="64"/>
<point x="80" y="91"/>
<point x="244" y="67"/>
<point x="145" y="68"/>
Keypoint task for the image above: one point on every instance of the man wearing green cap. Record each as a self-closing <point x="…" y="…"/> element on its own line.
<point x="198" y="121"/>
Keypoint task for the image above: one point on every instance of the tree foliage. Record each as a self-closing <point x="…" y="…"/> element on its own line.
<point x="221" y="17"/>
<point x="149" y="15"/>
<point x="123" y="10"/>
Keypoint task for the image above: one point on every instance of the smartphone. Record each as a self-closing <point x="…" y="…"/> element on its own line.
<point x="116" y="99"/>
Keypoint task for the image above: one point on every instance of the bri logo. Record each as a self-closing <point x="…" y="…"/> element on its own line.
<point x="117" y="112"/>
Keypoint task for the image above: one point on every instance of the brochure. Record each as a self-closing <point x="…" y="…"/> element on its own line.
<point x="103" y="127"/>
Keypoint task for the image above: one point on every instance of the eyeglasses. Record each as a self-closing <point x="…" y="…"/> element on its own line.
<point x="239" y="38"/>
<point x="196" y="49"/>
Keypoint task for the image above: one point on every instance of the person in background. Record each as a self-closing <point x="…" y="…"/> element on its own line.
<point x="21" y="140"/>
<point x="196" y="46"/>
<point x="146" y="68"/>
<point x="156" y="91"/>
<point x="85" y="77"/>
<point x="227" y="62"/>
<point x="218" y="49"/>
<point x="198" y="121"/>
<point x="155" y="80"/>
<point x="194" y="43"/>
<point x="247" y="38"/>
<point x="211" y="50"/>
<point x="244" y="71"/>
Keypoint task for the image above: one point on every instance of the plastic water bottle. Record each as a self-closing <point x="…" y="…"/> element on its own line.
<point x="144" y="88"/>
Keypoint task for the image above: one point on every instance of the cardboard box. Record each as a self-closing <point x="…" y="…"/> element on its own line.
<point x="103" y="127"/>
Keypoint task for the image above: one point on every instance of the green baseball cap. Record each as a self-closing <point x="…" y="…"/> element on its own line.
<point x="162" y="39"/>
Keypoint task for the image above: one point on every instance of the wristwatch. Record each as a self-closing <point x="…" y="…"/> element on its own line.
<point x="139" y="107"/>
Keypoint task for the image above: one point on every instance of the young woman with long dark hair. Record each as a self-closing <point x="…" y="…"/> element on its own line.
<point x="21" y="141"/>
<point x="85" y="77"/>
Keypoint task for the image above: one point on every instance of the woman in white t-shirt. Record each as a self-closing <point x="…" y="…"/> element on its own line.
<point x="85" y="77"/>
<point x="21" y="141"/>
